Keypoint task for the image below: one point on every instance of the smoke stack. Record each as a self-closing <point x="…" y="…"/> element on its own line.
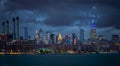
<point x="7" y="27"/>
<point x="14" y="34"/>
<point x="17" y="18"/>
<point x="3" y="27"/>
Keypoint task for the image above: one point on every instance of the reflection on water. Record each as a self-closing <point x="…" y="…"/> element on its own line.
<point x="60" y="60"/>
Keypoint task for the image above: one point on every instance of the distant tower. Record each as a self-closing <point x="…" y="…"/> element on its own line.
<point x="82" y="35"/>
<point x="41" y="36"/>
<point x="14" y="32"/>
<point x="7" y="27"/>
<point x="59" y="39"/>
<point x="17" y="19"/>
<point x="93" y="30"/>
<point x="48" y="37"/>
<point x="3" y="27"/>
<point x="52" y="38"/>
<point x="93" y="25"/>
<point x="37" y="37"/>
<point x="67" y="39"/>
<point x="26" y="32"/>
<point x="74" y="39"/>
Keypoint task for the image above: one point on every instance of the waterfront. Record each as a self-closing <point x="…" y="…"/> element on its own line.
<point x="61" y="60"/>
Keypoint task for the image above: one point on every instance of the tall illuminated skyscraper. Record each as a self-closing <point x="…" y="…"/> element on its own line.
<point x="59" y="39"/>
<point x="93" y="30"/>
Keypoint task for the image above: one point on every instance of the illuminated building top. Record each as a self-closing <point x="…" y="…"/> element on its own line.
<point x="93" y="25"/>
<point x="59" y="37"/>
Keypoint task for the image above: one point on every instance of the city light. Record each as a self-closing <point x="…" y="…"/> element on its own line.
<point x="11" y="44"/>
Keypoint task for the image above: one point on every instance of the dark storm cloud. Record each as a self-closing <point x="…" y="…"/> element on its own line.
<point x="66" y="12"/>
<point x="60" y="12"/>
<point x="110" y="21"/>
<point x="32" y="4"/>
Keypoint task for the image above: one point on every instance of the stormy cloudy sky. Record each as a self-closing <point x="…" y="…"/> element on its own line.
<point x="63" y="16"/>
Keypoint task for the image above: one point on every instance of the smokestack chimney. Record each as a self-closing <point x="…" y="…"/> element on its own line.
<point x="14" y="34"/>
<point x="7" y="27"/>
<point x="17" y="18"/>
<point x="3" y="27"/>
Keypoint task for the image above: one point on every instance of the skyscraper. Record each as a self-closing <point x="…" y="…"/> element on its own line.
<point x="93" y="30"/>
<point x="59" y="39"/>
<point x="7" y="27"/>
<point x="26" y="32"/>
<point x="74" y="38"/>
<point x="56" y="39"/>
<point x="47" y="37"/>
<point x="3" y="27"/>
<point x="14" y="29"/>
<point x="37" y="37"/>
<point x="81" y="35"/>
<point x="67" y="39"/>
<point x="17" y="23"/>
<point x="41" y="36"/>
<point x="52" y="38"/>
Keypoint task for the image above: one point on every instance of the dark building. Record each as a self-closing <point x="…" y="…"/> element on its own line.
<point x="7" y="27"/>
<point x="115" y="38"/>
<point x="56" y="39"/>
<point x="17" y="22"/>
<point x="26" y="36"/>
<point x="52" y="38"/>
<point x="14" y="30"/>
<point x="100" y="37"/>
<point x="3" y="27"/>
<point x="41" y="35"/>
<point x="81" y="35"/>
<point x="67" y="39"/>
<point x="74" y="39"/>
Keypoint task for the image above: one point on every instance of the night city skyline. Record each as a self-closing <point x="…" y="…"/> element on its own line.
<point x="59" y="32"/>
<point x="63" y="16"/>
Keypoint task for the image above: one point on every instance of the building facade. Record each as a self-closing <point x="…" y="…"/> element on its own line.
<point x="47" y="37"/>
<point x="81" y="35"/>
<point x="52" y="38"/>
<point x="93" y="30"/>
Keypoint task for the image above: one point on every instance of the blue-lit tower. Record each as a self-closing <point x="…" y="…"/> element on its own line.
<point x="93" y="25"/>
<point x="93" y="30"/>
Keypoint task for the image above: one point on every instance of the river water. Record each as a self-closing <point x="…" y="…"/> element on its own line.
<point x="61" y="60"/>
